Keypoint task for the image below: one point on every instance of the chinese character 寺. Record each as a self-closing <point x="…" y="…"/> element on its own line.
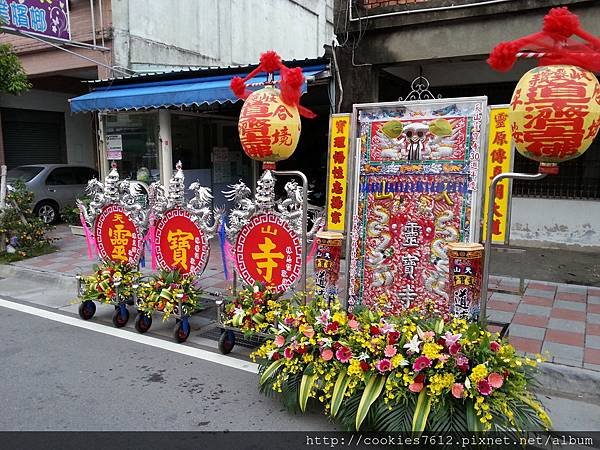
<point x="266" y="258"/>
<point x="179" y="242"/>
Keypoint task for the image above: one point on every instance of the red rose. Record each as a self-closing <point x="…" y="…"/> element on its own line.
<point x="454" y="349"/>
<point x="393" y="337"/>
<point x="374" y="330"/>
<point x="494" y="346"/>
<point x="331" y="328"/>
<point x="302" y="349"/>
<point x="275" y="356"/>
<point x="364" y="366"/>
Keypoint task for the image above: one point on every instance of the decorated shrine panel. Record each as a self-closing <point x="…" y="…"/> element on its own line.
<point x="418" y="188"/>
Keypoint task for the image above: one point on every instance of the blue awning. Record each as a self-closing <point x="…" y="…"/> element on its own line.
<point x="163" y="94"/>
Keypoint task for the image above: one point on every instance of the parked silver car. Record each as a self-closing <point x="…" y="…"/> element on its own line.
<point x="54" y="186"/>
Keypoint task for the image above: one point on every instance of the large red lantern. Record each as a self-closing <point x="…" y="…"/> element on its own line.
<point x="269" y="124"/>
<point x="555" y="108"/>
<point x="269" y="129"/>
<point x="555" y="114"/>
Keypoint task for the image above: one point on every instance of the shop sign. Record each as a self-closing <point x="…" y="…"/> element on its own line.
<point x="418" y="189"/>
<point x="500" y="155"/>
<point x="180" y="244"/>
<point x="339" y="135"/>
<point x="48" y="18"/>
<point x="268" y="251"/>
<point x="117" y="237"/>
<point x="114" y="147"/>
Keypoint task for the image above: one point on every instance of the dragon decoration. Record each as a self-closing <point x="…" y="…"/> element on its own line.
<point x="288" y="207"/>
<point x="113" y="191"/>
<point x="164" y="199"/>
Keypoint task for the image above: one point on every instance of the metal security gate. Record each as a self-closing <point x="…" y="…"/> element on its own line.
<point x="33" y="137"/>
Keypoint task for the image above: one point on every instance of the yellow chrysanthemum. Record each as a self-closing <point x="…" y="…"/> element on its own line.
<point x="479" y="373"/>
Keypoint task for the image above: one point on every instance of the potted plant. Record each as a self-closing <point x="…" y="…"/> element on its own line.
<point x="70" y="216"/>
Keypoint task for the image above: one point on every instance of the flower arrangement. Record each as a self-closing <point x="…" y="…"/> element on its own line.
<point x="163" y="291"/>
<point x="253" y="309"/>
<point x="403" y="373"/>
<point x="100" y="286"/>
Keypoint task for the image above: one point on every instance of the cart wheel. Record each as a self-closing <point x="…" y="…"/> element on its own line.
<point x="87" y="310"/>
<point x="226" y="341"/>
<point x="120" y="316"/>
<point x="182" y="330"/>
<point x="143" y="322"/>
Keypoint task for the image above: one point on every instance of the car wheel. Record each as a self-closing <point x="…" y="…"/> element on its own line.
<point x="46" y="212"/>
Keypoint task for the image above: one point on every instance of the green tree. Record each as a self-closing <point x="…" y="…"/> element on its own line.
<point x="13" y="79"/>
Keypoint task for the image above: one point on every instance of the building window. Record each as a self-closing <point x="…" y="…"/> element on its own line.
<point x="578" y="178"/>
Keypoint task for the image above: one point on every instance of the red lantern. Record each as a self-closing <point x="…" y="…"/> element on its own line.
<point x="269" y="129"/>
<point x="555" y="114"/>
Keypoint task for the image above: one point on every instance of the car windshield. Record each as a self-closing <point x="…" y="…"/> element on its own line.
<point x="25" y="173"/>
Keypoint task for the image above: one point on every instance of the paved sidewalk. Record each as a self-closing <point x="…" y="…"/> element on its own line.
<point x="560" y="319"/>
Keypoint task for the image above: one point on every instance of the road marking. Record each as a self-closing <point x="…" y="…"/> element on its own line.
<point x="134" y="337"/>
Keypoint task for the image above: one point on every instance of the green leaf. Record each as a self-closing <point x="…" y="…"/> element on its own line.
<point x="439" y="326"/>
<point x="306" y="384"/>
<point x="269" y="371"/>
<point x="421" y="412"/>
<point x="338" y="391"/>
<point x="372" y="391"/>
<point x="472" y="420"/>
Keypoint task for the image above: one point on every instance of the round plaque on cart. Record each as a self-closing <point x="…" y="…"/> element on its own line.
<point x="180" y="244"/>
<point x="117" y="237"/>
<point x="268" y="251"/>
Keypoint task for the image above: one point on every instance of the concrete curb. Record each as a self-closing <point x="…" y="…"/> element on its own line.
<point x="563" y="380"/>
<point x="53" y="279"/>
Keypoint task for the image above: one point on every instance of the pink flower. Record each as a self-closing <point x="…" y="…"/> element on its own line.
<point x="462" y="362"/>
<point x="494" y="346"/>
<point x="343" y="354"/>
<point x="327" y="354"/>
<point x="444" y="357"/>
<point x="323" y="319"/>
<point x="495" y="380"/>
<point x="428" y="335"/>
<point x="390" y="351"/>
<point x="288" y="353"/>
<point x="308" y="331"/>
<point x="353" y="324"/>
<point x="451" y="339"/>
<point x="422" y="362"/>
<point x="418" y="384"/>
<point x="279" y="340"/>
<point x="415" y="387"/>
<point x="384" y="365"/>
<point x="457" y="390"/>
<point x="454" y="348"/>
<point x="484" y="387"/>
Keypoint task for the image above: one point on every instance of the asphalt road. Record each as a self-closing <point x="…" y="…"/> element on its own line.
<point x="60" y="377"/>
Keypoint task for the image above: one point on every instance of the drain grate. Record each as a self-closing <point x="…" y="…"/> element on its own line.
<point x="243" y="341"/>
